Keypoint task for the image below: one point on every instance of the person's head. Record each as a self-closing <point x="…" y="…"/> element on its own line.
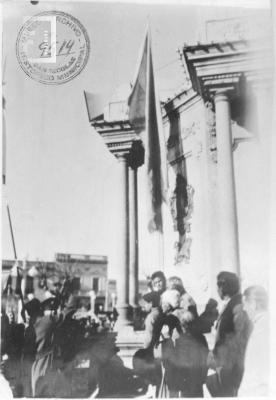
<point x="158" y="281"/>
<point x="255" y="300"/>
<point x="174" y="282"/>
<point x="228" y="284"/>
<point x="33" y="308"/>
<point x="170" y="300"/>
<point x="150" y="300"/>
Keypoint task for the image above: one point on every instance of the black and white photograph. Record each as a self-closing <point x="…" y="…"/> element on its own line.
<point x="138" y="199"/>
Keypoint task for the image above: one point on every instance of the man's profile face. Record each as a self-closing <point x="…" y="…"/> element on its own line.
<point x="220" y="292"/>
<point x="157" y="284"/>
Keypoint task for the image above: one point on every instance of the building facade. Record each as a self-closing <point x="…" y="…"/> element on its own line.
<point x="218" y="135"/>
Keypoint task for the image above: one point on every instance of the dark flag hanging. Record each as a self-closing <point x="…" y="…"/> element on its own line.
<point x="145" y="115"/>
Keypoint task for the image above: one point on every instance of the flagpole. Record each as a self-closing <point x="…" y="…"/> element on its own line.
<point x="21" y="310"/>
<point x="161" y="243"/>
<point x="12" y="236"/>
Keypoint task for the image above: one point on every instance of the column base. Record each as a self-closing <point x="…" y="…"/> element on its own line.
<point x="123" y="317"/>
<point x="135" y="316"/>
<point x="128" y="341"/>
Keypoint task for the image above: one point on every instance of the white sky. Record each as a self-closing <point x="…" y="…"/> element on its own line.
<point x="61" y="179"/>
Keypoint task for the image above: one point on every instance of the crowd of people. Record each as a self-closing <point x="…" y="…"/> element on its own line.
<point x="40" y="355"/>
<point x="176" y="359"/>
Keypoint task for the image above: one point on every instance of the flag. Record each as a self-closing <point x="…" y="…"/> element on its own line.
<point x="145" y="115"/>
<point x="94" y="103"/>
<point x="3" y="145"/>
<point x="13" y="283"/>
<point x="8" y="286"/>
<point x="3" y="132"/>
<point x="137" y="98"/>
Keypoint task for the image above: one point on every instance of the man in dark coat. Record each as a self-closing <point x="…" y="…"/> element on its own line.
<point x="232" y="332"/>
<point x="44" y="326"/>
<point x="33" y="309"/>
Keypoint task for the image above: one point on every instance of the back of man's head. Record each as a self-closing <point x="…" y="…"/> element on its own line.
<point x="229" y="283"/>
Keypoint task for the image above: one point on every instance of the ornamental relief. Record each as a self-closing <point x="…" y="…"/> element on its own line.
<point x="188" y="131"/>
<point x="211" y="130"/>
<point x="191" y="143"/>
<point x="183" y="250"/>
<point x="181" y="205"/>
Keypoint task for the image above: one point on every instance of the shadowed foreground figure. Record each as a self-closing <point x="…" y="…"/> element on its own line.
<point x="232" y="332"/>
<point x="255" y="382"/>
<point x="44" y="326"/>
<point x="86" y="366"/>
<point x="104" y="377"/>
<point x="187" y="354"/>
<point x="185" y="357"/>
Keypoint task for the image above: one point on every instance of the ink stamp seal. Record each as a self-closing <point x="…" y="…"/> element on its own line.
<point x="52" y="47"/>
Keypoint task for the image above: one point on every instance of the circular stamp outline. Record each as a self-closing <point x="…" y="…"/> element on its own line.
<point x="84" y="32"/>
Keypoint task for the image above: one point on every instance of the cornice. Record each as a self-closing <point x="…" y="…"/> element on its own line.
<point x="121" y="140"/>
<point x="180" y="103"/>
<point x="216" y="65"/>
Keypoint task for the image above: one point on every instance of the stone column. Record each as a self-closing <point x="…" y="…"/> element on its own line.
<point x="135" y="160"/>
<point x="228" y="225"/>
<point x="123" y="244"/>
<point x="263" y="97"/>
<point x="133" y="238"/>
<point x="264" y="111"/>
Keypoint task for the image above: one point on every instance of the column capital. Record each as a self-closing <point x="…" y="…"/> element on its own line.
<point x="136" y="155"/>
<point x="223" y="94"/>
<point x="121" y="140"/>
<point x="133" y="156"/>
<point x="122" y="156"/>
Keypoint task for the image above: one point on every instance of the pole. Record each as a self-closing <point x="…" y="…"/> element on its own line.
<point x="15" y="256"/>
<point x="12" y="236"/>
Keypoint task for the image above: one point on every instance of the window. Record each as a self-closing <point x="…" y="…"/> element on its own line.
<point x="96" y="284"/>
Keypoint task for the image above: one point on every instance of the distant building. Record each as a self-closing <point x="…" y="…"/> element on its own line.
<point x="89" y="272"/>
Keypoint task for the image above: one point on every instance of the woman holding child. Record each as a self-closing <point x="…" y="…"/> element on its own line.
<point x="174" y="336"/>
